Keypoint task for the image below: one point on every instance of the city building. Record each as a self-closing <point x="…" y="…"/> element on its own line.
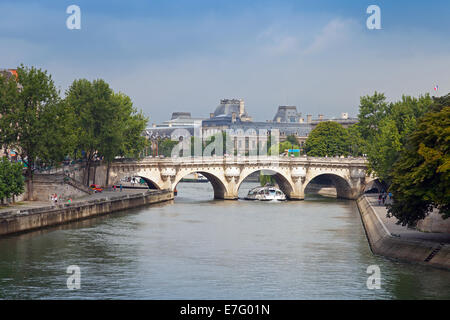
<point x="231" y="115"/>
<point x="287" y="114"/>
<point x="181" y="120"/>
<point x="8" y="73"/>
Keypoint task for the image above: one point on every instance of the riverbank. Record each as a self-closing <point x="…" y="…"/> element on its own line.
<point x="32" y="216"/>
<point x="391" y="240"/>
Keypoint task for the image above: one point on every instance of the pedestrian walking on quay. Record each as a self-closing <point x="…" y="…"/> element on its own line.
<point x="379" y="199"/>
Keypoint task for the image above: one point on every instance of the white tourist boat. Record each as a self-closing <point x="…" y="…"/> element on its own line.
<point x="266" y="193"/>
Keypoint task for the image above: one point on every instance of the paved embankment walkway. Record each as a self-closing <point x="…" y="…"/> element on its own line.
<point x="389" y="239"/>
<point x="30" y="215"/>
<point x="402" y="231"/>
<point x="26" y="205"/>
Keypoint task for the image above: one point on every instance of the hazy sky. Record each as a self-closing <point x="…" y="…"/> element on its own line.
<point x="187" y="55"/>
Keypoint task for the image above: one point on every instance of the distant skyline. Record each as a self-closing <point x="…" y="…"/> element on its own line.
<point x="173" y="56"/>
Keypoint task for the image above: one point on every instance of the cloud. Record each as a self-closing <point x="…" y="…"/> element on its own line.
<point x="299" y="39"/>
<point x="320" y="62"/>
<point x="276" y="42"/>
<point x="333" y="33"/>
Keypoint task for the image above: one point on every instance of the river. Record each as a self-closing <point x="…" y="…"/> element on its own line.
<point x="199" y="248"/>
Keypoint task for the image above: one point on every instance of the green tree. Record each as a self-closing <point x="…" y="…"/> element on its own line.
<point x="130" y="125"/>
<point x="386" y="129"/>
<point x="91" y="104"/>
<point x="4" y="186"/>
<point x="328" y="139"/>
<point x="196" y="140"/>
<point x="34" y="120"/>
<point x="384" y="149"/>
<point x="266" y="179"/>
<point x="212" y="147"/>
<point x="166" y="146"/>
<point x="358" y="146"/>
<point x="372" y="109"/>
<point x="281" y="147"/>
<point x="406" y="112"/>
<point x="107" y="123"/>
<point x="17" y="179"/>
<point x="292" y="139"/>
<point x="421" y="175"/>
<point x="11" y="179"/>
<point x="9" y="96"/>
<point x="123" y="137"/>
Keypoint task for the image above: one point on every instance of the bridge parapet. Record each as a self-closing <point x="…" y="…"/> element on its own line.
<point x="245" y="160"/>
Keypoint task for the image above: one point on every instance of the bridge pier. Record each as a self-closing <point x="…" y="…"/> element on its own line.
<point x="296" y="192"/>
<point x="229" y="197"/>
<point x="296" y="196"/>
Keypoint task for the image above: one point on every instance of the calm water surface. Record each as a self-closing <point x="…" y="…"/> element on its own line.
<point x="199" y="248"/>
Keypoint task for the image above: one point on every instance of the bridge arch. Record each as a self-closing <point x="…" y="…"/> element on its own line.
<point x="283" y="181"/>
<point x="373" y="185"/>
<point x="151" y="183"/>
<point x="343" y="185"/>
<point x="219" y="187"/>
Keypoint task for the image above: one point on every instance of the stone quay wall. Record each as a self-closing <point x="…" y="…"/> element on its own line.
<point x="44" y="185"/>
<point x="17" y="221"/>
<point x="434" y="223"/>
<point x="382" y="242"/>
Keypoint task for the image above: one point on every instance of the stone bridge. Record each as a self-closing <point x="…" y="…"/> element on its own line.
<point x="226" y="174"/>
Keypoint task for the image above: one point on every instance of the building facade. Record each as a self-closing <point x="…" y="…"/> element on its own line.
<point x="230" y="115"/>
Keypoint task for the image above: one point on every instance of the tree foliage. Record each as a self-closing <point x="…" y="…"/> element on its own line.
<point x="372" y="110"/>
<point x="9" y="95"/>
<point x="358" y="146"/>
<point x="166" y="146"/>
<point x="107" y="123"/>
<point x="421" y="176"/>
<point x="292" y="139"/>
<point x="43" y="128"/>
<point x="384" y="148"/>
<point x="125" y="131"/>
<point x="266" y="179"/>
<point x="280" y="148"/>
<point x="328" y="139"/>
<point x="11" y="179"/>
<point x="384" y="129"/>
<point x="34" y="119"/>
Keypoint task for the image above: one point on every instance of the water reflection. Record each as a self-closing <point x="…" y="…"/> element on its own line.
<point x="200" y="248"/>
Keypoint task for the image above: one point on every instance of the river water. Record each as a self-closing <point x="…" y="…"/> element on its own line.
<point x="199" y="248"/>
